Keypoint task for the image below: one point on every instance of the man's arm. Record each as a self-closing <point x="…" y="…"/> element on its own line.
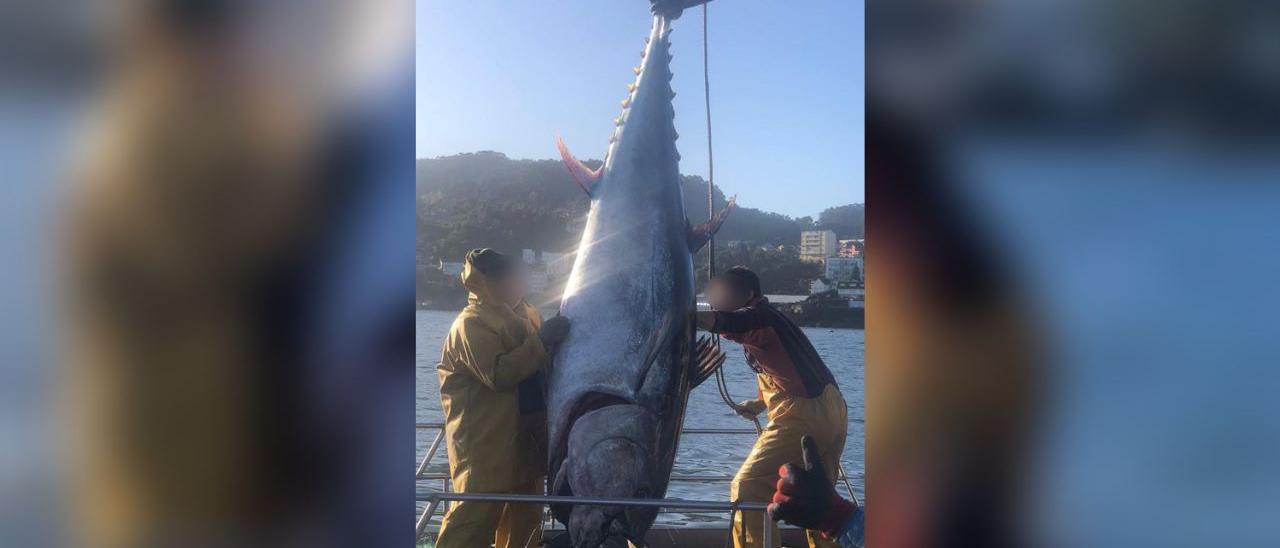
<point x="738" y="321"/>
<point x="706" y="319"/>
<point x="498" y="368"/>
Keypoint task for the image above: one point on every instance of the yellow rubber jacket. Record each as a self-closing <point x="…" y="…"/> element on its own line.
<point x="490" y="350"/>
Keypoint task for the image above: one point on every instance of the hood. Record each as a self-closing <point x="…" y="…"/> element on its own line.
<point x="478" y="283"/>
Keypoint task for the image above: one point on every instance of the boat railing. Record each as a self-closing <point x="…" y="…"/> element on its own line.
<point x="434" y="498"/>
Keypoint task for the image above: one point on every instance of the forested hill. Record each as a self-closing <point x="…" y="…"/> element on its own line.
<point x="487" y="199"/>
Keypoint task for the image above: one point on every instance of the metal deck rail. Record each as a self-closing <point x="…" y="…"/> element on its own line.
<point x="434" y="498"/>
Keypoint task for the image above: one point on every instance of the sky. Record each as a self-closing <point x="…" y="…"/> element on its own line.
<point x="786" y="88"/>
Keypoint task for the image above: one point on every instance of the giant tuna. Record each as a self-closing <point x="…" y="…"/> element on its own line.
<point x="617" y="390"/>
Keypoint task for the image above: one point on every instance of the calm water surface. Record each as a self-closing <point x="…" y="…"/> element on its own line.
<point x="842" y="349"/>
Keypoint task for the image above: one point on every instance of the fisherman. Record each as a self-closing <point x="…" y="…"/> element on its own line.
<point x="795" y="387"/>
<point x="491" y="394"/>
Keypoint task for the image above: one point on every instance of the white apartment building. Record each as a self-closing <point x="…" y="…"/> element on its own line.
<point x="817" y="245"/>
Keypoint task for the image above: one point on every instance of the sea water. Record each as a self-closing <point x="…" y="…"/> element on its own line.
<point x="699" y="454"/>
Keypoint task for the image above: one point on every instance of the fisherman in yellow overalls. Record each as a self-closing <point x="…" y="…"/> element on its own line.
<point x="491" y="393"/>
<point x="796" y="389"/>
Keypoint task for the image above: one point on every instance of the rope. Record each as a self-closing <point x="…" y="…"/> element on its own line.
<point x="711" y="245"/>
<point x="711" y="212"/>
<point x="711" y="164"/>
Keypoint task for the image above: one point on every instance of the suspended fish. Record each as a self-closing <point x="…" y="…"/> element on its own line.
<point x="619" y="384"/>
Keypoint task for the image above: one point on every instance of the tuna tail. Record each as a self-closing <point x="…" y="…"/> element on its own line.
<point x="583" y="175"/>
<point x="671" y="9"/>
<point x="701" y="234"/>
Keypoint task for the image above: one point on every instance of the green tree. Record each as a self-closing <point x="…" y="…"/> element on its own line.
<point x="847" y="221"/>
<point x="779" y="267"/>
<point x="486" y="199"/>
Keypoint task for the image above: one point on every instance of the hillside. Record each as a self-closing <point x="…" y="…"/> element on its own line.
<point x="487" y="199"/>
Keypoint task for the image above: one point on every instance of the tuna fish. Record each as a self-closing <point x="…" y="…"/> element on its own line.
<point x="617" y="390"/>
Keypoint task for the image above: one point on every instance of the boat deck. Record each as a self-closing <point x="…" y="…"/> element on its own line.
<point x="659" y="536"/>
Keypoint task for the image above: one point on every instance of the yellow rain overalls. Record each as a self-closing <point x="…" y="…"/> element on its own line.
<point x="491" y="357"/>
<point x="824" y="418"/>
<point x="801" y="397"/>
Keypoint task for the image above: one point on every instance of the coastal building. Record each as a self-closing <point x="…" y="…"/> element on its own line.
<point x="450" y="268"/>
<point x="850" y="248"/>
<point x="853" y="291"/>
<point x="821" y="285"/>
<point x="843" y="269"/>
<point x="558" y="264"/>
<point x="750" y="244"/>
<point x="786" y="299"/>
<point x="546" y="269"/>
<point x="817" y="245"/>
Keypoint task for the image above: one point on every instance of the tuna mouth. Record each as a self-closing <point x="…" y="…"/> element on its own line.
<point x="594" y="401"/>
<point x="609" y="455"/>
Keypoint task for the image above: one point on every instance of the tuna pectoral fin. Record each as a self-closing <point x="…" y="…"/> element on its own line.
<point x="707" y="358"/>
<point x="583" y="175"/>
<point x="701" y="234"/>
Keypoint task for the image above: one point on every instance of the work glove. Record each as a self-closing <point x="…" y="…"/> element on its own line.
<point x="749" y="409"/>
<point x="807" y="498"/>
<point x="554" y="331"/>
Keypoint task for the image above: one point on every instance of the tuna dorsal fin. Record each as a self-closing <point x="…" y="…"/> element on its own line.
<point x="707" y="358"/>
<point x="701" y="234"/>
<point x="583" y="175"/>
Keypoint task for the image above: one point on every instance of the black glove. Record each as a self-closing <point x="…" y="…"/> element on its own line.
<point x="806" y="498"/>
<point x="554" y="331"/>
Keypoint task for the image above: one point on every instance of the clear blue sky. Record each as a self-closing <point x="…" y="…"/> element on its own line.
<point x="786" y="88"/>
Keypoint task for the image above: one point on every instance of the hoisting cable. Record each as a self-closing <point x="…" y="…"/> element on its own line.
<point x="711" y="212"/>
<point x="711" y="245"/>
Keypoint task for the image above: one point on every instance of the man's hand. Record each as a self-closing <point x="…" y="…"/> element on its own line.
<point x="807" y="498"/>
<point x="750" y="408"/>
<point x="554" y="331"/>
<point x="706" y="319"/>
